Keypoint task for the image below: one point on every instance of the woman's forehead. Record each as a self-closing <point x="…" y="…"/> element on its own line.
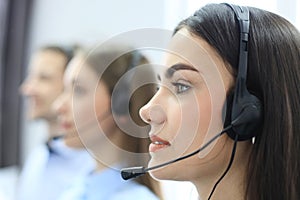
<point x="187" y="49"/>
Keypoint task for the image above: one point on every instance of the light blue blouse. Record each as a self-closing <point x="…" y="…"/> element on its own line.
<point x="107" y="185"/>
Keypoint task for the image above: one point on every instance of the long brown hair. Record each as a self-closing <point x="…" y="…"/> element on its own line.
<point x="273" y="76"/>
<point x="111" y="63"/>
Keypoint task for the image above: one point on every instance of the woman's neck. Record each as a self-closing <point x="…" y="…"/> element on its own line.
<point x="233" y="185"/>
<point x="53" y="130"/>
<point x="108" y="153"/>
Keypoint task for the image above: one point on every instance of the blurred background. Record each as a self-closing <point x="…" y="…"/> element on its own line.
<point x="25" y="25"/>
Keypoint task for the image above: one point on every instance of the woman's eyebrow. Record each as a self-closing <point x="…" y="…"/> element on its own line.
<point x="179" y="66"/>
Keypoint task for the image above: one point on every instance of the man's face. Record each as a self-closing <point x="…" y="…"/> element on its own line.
<point x="44" y="83"/>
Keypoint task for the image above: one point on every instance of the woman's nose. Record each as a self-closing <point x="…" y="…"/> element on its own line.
<point x="59" y="105"/>
<point x="153" y="113"/>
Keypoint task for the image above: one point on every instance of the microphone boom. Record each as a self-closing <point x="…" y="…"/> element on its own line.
<point x="133" y="172"/>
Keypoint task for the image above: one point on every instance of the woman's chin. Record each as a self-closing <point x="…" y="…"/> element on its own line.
<point x="163" y="173"/>
<point x="73" y="142"/>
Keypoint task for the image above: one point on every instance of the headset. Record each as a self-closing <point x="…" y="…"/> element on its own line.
<point x="121" y="94"/>
<point x="244" y="110"/>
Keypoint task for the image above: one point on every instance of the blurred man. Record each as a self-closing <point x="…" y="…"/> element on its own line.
<point x="50" y="167"/>
<point x="44" y="83"/>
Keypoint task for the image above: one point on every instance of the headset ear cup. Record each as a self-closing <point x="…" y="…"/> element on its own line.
<point x="247" y="117"/>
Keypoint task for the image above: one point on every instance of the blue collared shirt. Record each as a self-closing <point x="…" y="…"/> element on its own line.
<point x="51" y="169"/>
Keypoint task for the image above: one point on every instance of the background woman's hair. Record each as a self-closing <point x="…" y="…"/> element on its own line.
<point x="110" y="73"/>
<point x="274" y="77"/>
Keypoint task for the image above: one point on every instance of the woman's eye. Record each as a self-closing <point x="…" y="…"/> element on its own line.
<point x="180" y="87"/>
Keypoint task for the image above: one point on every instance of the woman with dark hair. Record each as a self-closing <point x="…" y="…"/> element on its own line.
<point x="238" y="73"/>
<point x="99" y="111"/>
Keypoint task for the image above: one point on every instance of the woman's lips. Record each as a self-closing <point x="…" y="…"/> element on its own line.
<point x="157" y="144"/>
<point x="66" y="125"/>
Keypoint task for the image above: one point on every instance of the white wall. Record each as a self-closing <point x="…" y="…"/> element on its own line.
<point x="70" y="21"/>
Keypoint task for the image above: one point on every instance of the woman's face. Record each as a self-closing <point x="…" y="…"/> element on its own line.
<point x="188" y="109"/>
<point x="84" y="106"/>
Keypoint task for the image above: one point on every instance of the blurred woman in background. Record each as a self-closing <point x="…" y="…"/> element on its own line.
<point x="98" y="112"/>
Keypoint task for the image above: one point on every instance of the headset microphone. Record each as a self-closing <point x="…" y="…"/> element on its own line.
<point x="133" y="172"/>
